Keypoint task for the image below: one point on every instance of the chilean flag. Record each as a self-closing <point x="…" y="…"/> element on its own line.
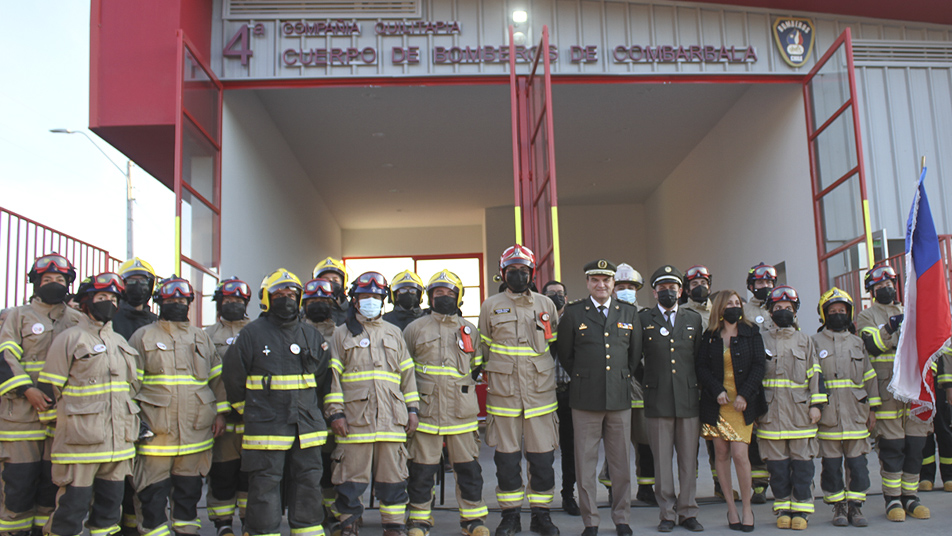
<point x="927" y="324"/>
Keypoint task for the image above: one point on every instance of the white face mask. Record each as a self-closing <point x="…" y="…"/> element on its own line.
<point x="370" y="307"/>
<point x="627" y="295"/>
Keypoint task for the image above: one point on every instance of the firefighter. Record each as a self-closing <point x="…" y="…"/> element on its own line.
<point x="406" y="295"/>
<point x="92" y="375"/>
<point x="900" y="436"/>
<point x="445" y="350"/>
<point x="227" y="483"/>
<point x="334" y="271"/>
<point x="517" y="327"/>
<point x="372" y="406"/>
<point x="942" y="435"/>
<point x="183" y="404"/>
<point x="28" y="492"/>
<point x="793" y="388"/>
<point x="276" y="373"/>
<point x="139" y="279"/>
<point x="760" y="280"/>
<point x="698" y="279"/>
<point x="846" y="420"/>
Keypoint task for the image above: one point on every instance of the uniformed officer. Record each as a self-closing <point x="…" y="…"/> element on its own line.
<point x="941" y="437"/>
<point x="517" y="327"/>
<point x="793" y="389"/>
<point x="671" y="338"/>
<point x="446" y="355"/>
<point x="900" y="436"/>
<point x="276" y="373"/>
<point x="92" y="374"/>
<point x="406" y="295"/>
<point x="698" y="279"/>
<point x="139" y="279"/>
<point x="846" y="420"/>
<point x="183" y="403"/>
<point x="592" y="332"/>
<point x="760" y="280"/>
<point x="334" y="271"/>
<point x="28" y="491"/>
<point x="227" y="483"/>
<point x="372" y="406"/>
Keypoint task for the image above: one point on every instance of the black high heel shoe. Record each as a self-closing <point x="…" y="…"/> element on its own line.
<point x="734" y="526"/>
<point x="748" y="528"/>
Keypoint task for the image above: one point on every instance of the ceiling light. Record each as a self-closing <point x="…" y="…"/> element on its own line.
<point x="519" y="16"/>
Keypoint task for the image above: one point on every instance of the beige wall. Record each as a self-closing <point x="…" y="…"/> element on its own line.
<point x="412" y="241"/>
<point x="272" y="215"/>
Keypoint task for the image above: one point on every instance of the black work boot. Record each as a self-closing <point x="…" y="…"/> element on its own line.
<point x="510" y="524"/>
<point x="542" y="524"/>
<point x="569" y="505"/>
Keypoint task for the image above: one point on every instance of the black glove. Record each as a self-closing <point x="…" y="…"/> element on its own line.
<point x="145" y="433"/>
<point x="894" y="323"/>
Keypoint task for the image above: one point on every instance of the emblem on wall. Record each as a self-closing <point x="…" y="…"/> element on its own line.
<point x="794" y="38"/>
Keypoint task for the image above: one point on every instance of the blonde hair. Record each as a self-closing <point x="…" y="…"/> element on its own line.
<point x="718" y="305"/>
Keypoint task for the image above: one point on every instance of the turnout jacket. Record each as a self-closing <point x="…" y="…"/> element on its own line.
<point x="182" y="391"/>
<point x="128" y="319"/>
<point x="372" y="382"/>
<point x="703" y="309"/>
<point x="25" y="338"/>
<point x="754" y="310"/>
<point x="881" y="345"/>
<point x="793" y="382"/>
<point x="516" y="332"/>
<point x="276" y="374"/>
<point x="600" y="354"/>
<point x="850" y="383"/>
<point x="223" y="334"/>
<point x="445" y="351"/>
<point x="670" y="382"/>
<point x="326" y="327"/>
<point x="92" y="375"/>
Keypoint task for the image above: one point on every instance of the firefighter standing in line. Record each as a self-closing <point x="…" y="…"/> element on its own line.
<point x="793" y="388"/>
<point x="406" y="295"/>
<point x="28" y="492"/>
<point x="517" y="326"/>
<point x="941" y="437"/>
<point x="227" y="483"/>
<point x="760" y="280"/>
<point x="334" y="271"/>
<point x="446" y="355"/>
<point x="698" y="279"/>
<point x="372" y="406"/>
<point x="276" y="373"/>
<point x="900" y="436"/>
<point x="92" y="374"/>
<point x="183" y="404"/>
<point x="846" y="420"/>
<point x="139" y="280"/>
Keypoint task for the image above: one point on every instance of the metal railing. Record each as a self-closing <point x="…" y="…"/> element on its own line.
<point x="24" y="240"/>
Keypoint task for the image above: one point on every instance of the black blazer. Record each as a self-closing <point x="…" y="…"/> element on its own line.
<point x="749" y="360"/>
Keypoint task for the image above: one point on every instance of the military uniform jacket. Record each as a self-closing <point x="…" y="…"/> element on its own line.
<point x="223" y="334"/>
<point x="793" y="382"/>
<point x="601" y="354"/>
<point x="182" y="391"/>
<point x="757" y="315"/>
<point x="276" y="374"/>
<point x="25" y="338"/>
<point x="670" y="383"/>
<point x="128" y="319"/>
<point x="871" y="323"/>
<point x="703" y="309"/>
<point x="373" y="383"/>
<point x="850" y="383"/>
<point x="516" y="331"/>
<point x="445" y="351"/>
<point x="93" y="375"/>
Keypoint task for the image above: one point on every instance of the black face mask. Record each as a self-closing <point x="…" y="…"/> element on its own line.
<point x="838" y="322"/>
<point x="408" y="300"/>
<point x="103" y="311"/>
<point x="667" y="298"/>
<point x="885" y="296"/>
<point x="318" y="311"/>
<point x="137" y="293"/>
<point x="762" y="293"/>
<point x="52" y="293"/>
<point x="732" y="314"/>
<point x="700" y="293"/>
<point x="338" y="290"/>
<point x="782" y="317"/>
<point x="233" y="311"/>
<point x="284" y="308"/>
<point x="517" y="281"/>
<point x="445" y="305"/>
<point x="173" y="312"/>
<point x="558" y="300"/>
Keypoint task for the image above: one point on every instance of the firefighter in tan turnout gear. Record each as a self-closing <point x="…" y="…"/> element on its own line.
<point x="446" y="355"/>
<point x="227" y="483"/>
<point x="28" y="492"/>
<point x="92" y="374"/>
<point x="183" y="404"/>
<point x="372" y="406"/>
<point x="517" y="327"/>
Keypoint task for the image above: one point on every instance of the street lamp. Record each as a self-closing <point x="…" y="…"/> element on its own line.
<point x="127" y="172"/>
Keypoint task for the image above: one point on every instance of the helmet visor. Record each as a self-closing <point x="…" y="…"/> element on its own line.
<point x="236" y="288"/>
<point x="175" y="289"/>
<point x="57" y="262"/>
<point x="764" y="272"/>
<point x="695" y="272"/>
<point x="108" y="281"/>
<point x="780" y="294"/>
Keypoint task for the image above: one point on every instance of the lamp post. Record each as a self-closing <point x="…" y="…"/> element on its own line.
<point x="127" y="172"/>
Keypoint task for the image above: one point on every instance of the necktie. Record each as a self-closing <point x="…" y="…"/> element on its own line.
<point x="604" y="310"/>
<point x="667" y="318"/>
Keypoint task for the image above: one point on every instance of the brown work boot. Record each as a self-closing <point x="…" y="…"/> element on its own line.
<point x="350" y="529"/>
<point x="397" y="531"/>
<point x="840" y="518"/>
<point x="855" y="515"/>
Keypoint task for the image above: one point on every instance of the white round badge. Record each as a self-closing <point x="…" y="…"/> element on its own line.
<point x="467" y="330"/>
<point x="823" y="354"/>
<point x="664" y="332"/>
<point x="38" y="328"/>
<point x="768" y="352"/>
<point x="160" y="345"/>
<point x="364" y="343"/>
<point x="461" y="345"/>
<point x="295" y="349"/>
<point x="229" y="340"/>
<point x="759" y="319"/>
<point x="99" y="348"/>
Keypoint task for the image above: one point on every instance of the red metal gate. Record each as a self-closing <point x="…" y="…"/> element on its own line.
<point x="840" y="207"/>
<point x="533" y="159"/>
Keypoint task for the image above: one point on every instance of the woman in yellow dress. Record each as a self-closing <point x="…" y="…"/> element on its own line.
<point x="730" y="368"/>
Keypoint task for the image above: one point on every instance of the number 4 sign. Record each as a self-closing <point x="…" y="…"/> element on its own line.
<point x="239" y="46"/>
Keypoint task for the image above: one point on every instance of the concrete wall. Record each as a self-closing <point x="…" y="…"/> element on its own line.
<point x="415" y="241"/>
<point x="272" y="215"/>
<point x="742" y="196"/>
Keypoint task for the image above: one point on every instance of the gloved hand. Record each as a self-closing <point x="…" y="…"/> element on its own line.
<point x="894" y="323"/>
<point x="145" y="433"/>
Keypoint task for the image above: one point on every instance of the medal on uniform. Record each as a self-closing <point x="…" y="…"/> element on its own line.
<point x="664" y="332"/>
<point x="295" y="349"/>
<point x="99" y="348"/>
<point x="462" y="346"/>
<point x="759" y="319"/>
<point x="38" y="328"/>
<point x="544" y="317"/>
<point x="823" y="354"/>
<point x="324" y="345"/>
<point x="229" y="340"/>
<point x="466" y="339"/>
<point x="160" y="345"/>
<point x="364" y="343"/>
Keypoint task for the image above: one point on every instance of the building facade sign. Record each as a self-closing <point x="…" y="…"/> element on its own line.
<point x="794" y="38"/>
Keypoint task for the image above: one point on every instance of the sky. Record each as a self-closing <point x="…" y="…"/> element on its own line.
<point x="61" y="180"/>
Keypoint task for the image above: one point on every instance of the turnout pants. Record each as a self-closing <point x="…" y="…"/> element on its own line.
<point x="613" y="428"/>
<point x="266" y="470"/>
<point x="425" y="451"/>
<point x="835" y="488"/>
<point x="790" y="463"/>
<point x="161" y="479"/>
<point x="900" y="442"/>
<point x="227" y="483"/>
<point x="28" y="493"/>
<point x="352" y="474"/>
<point x="941" y="438"/>
<point x="667" y="435"/>
<point x="328" y="491"/>
<point x="540" y="435"/>
<point x="101" y="484"/>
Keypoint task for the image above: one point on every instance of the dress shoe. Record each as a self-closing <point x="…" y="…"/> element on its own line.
<point x="623" y="529"/>
<point x="666" y="526"/>
<point x="692" y="524"/>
